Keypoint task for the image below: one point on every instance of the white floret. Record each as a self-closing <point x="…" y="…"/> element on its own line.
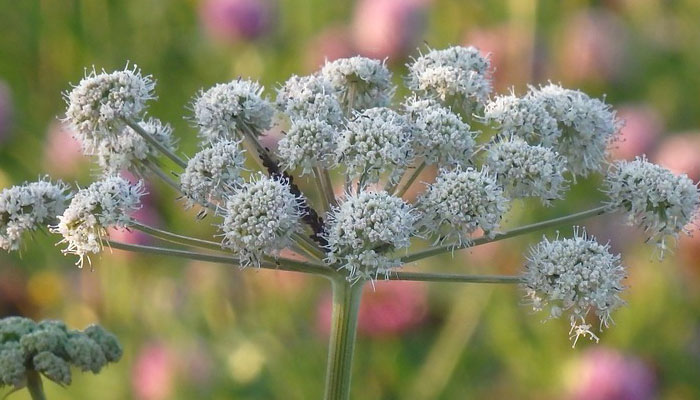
<point x="359" y="82"/>
<point x="128" y="150"/>
<point x="526" y="117"/>
<point x="212" y="173"/>
<point x="308" y="143"/>
<point x="310" y="97"/>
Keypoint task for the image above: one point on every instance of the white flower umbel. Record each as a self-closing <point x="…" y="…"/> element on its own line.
<point x="527" y="171"/>
<point x="98" y="105"/>
<point x="260" y="219"/>
<point x="227" y="109"/>
<point x="128" y="149"/>
<point x="364" y="228"/>
<point x="360" y="82"/>
<point x="212" y="173"/>
<point x="461" y="201"/>
<point x="309" y="97"/>
<point x="103" y="204"/>
<point x="457" y="75"/>
<point x="28" y="207"/>
<point x="375" y="141"/>
<point x="439" y="135"/>
<point x="526" y="117"/>
<point x="575" y="275"/>
<point x="307" y="144"/>
<point x="662" y="203"/>
<point x="587" y="126"/>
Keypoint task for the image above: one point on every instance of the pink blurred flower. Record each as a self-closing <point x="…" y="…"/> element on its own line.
<point x="146" y="215"/>
<point x="5" y="111"/>
<point x="592" y="47"/>
<point x="605" y="374"/>
<point x="153" y="373"/>
<point x="390" y="308"/>
<point x="63" y="156"/>
<point x="388" y="28"/>
<point x="681" y="154"/>
<point x="329" y="45"/>
<point x="642" y="128"/>
<point x="235" y="20"/>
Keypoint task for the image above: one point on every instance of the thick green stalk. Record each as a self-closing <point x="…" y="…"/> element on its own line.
<point x="34" y="385"/>
<point x="346" y="304"/>
<point x="175" y="238"/>
<point x="442" y="277"/>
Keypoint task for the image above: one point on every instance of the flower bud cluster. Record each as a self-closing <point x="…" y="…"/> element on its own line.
<point x="50" y="348"/>
<point x="310" y="98"/>
<point x="359" y="82"/>
<point x="213" y="172"/>
<point x="128" y="150"/>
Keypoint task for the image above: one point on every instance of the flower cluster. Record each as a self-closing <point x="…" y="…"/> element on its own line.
<point x="310" y="98"/>
<point x="653" y="197"/>
<point x="212" y="172"/>
<point x="50" y="348"/>
<point x="260" y="218"/>
<point x="527" y="171"/>
<point x="103" y="204"/>
<point x="364" y="228"/>
<point x="227" y="109"/>
<point x="27" y="207"/>
<point x="574" y="275"/>
<point x="128" y="150"/>
<point x="526" y="117"/>
<point x="459" y="75"/>
<point x="461" y="201"/>
<point x="359" y="82"/>
<point x="308" y="143"/>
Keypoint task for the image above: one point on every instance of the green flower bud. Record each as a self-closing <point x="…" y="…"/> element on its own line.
<point x="108" y="342"/>
<point x="53" y="367"/>
<point x="85" y="353"/>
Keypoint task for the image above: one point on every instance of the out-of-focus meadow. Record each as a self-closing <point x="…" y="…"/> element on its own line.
<point x="193" y="330"/>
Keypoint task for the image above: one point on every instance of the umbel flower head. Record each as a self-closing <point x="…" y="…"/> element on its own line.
<point x="653" y="197"/>
<point x="527" y="171"/>
<point x="260" y="219"/>
<point x="213" y="172"/>
<point x="461" y="201"/>
<point x="127" y="150"/>
<point x="526" y="117"/>
<point x="27" y="207"/>
<point x="587" y="126"/>
<point x="227" y="109"/>
<point x="457" y="75"/>
<point x="99" y="104"/>
<point x="50" y="348"/>
<point x="360" y="82"/>
<point x="308" y="143"/>
<point x="310" y="97"/>
<point x="363" y="228"/>
<point x="576" y="276"/>
<point x="375" y="141"/>
<point x="103" y="204"/>
<point x="439" y="135"/>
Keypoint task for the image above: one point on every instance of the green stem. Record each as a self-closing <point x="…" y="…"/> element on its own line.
<point x="158" y="145"/>
<point x="175" y="238"/>
<point x="346" y="304"/>
<point x="321" y="185"/>
<point x="436" y="277"/>
<point x="419" y="255"/>
<point x="162" y="175"/>
<point x="309" y="246"/>
<point x="328" y="184"/>
<point x="410" y="180"/>
<point x="34" y="385"/>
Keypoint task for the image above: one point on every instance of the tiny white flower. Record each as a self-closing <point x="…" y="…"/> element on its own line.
<point x="575" y="275"/>
<point x="99" y="104"/>
<point x="527" y="171"/>
<point x="126" y="150"/>
<point x="653" y="197"/>
<point x="364" y="228"/>
<point x="28" y="207"/>
<point x="526" y="117"/>
<point x="307" y="144"/>
<point x="461" y="201"/>
<point x="375" y="141"/>
<point x="212" y="173"/>
<point x="310" y="97"/>
<point x="439" y="135"/>
<point x="459" y="75"/>
<point x="105" y="203"/>
<point x="260" y="218"/>
<point x="360" y="82"/>
<point x="227" y="109"/>
<point x="587" y="126"/>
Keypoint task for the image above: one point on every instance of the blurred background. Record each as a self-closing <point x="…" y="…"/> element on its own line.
<point x="194" y="330"/>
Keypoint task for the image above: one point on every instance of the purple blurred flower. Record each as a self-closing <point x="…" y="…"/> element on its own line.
<point x="388" y="28"/>
<point x="605" y="374"/>
<point x="387" y="309"/>
<point x="235" y="20"/>
<point x="642" y="128"/>
<point x="153" y="373"/>
<point x="5" y="111"/>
